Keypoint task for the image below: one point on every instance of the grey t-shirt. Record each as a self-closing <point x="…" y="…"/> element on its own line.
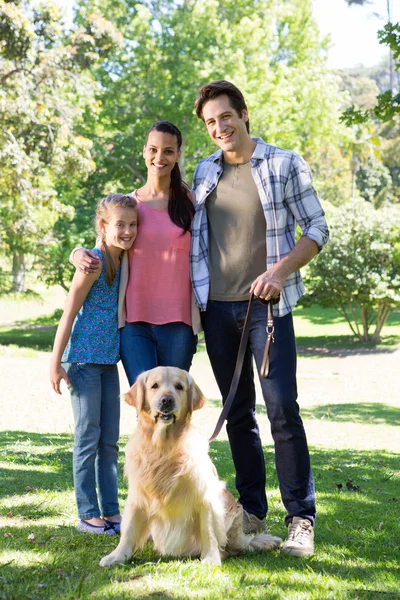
<point x="236" y="225"/>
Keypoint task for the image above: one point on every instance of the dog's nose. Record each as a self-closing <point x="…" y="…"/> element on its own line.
<point x="167" y="402"/>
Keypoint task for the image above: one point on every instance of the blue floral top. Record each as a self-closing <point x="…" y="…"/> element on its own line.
<point x="95" y="335"/>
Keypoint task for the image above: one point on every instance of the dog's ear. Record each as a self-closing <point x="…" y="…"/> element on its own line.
<point x="196" y="397"/>
<point x="135" y="396"/>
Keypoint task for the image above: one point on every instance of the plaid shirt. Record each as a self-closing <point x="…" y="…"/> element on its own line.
<point x="284" y="184"/>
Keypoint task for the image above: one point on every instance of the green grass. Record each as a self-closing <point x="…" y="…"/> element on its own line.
<point x="318" y="328"/>
<point x="43" y="557"/>
<point x="36" y="333"/>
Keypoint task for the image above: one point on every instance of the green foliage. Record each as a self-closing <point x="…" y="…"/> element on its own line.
<point x="390" y="35"/>
<point x="388" y="102"/>
<point x="73" y="101"/>
<point x="44" y="99"/>
<point x="272" y="51"/>
<point x="359" y="271"/>
<point x="390" y="157"/>
<point x="374" y="182"/>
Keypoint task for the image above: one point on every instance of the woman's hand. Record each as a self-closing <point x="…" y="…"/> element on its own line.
<point x="86" y="261"/>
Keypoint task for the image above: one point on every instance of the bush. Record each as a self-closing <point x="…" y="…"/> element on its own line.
<point x="358" y="273"/>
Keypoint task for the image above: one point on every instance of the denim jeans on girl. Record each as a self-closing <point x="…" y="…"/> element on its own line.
<point x="145" y="346"/>
<point x="223" y="323"/>
<point x="96" y="406"/>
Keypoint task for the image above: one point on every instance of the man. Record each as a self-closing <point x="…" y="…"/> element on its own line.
<point x="249" y="197"/>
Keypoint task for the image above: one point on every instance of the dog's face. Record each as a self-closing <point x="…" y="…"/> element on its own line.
<point x="166" y="394"/>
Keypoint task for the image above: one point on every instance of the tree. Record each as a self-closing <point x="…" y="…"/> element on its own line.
<point x="46" y="93"/>
<point x="388" y="102"/>
<point x="272" y="51"/>
<point x="358" y="273"/>
<point x="374" y="182"/>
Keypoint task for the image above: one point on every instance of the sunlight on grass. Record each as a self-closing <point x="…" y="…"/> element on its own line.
<point x="324" y="327"/>
<point x="42" y="301"/>
<point x="356" y="535"/>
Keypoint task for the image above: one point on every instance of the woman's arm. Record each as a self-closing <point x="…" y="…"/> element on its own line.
<point x="80" y="287"/>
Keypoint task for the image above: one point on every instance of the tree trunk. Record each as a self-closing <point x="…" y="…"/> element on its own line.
<point x="18" y="272"/>
<point x="365" y="326"/>
<point x="383" y="313"/>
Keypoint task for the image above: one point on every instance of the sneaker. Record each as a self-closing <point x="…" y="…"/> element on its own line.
<point x="300" y="540"/>
<point x="252" y="524"/>
<point x="88" y="528"/>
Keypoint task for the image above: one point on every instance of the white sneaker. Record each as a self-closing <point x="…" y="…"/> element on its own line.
<point x="300" y="540"/>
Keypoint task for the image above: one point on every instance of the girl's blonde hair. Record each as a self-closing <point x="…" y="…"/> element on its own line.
<point x="103" y="215"/>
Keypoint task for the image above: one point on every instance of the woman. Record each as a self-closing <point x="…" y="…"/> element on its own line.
<point x="160" y="321"/>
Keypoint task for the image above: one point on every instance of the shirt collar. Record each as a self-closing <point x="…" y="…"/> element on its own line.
<point x="258" y="154"/>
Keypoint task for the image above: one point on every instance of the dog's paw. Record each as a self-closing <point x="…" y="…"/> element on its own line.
<point x="212" y="559"/>
<point x="265" y="541"/>
<point x="112" y="559"/>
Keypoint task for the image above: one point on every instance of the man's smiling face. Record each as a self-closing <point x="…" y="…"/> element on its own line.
<point x="225" y="126"/>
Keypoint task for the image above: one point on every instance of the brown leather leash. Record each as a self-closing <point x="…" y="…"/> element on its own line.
<point x="264" y="371"/>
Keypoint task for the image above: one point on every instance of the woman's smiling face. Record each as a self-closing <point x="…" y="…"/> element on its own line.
<point x="161" y="153"/>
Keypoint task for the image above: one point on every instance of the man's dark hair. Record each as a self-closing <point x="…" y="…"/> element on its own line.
<point x="212" y="90"/>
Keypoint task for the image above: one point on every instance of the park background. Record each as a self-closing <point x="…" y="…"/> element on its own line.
<point x="80" y="85"/>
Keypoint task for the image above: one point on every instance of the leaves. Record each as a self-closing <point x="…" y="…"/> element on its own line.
<point x="358" y="272"/>
<point x="388" y="103"/>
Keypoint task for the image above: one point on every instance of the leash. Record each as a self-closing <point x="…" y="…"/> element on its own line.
<point x="264" y="371"/>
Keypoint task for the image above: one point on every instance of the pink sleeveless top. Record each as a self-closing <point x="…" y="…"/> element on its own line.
<point x="159" y="289"/>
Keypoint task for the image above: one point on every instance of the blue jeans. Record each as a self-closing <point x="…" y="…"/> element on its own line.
<point x="95" y="403"/>
<point x="145" y="346"/>
<point x="223" y="323"/>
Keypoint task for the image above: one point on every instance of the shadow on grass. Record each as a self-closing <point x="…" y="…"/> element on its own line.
<point x="36" y="337"/>
<point x="356" y="535"/>
<point x="343" y="345"/>
<point x="373" y="413"/>
<point x="38" y="334"/>
<point x="318" y="315"/>
<point x="358" y="412"/>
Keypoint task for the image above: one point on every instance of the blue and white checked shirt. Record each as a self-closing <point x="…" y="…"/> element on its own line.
<point x="284" y="184"/>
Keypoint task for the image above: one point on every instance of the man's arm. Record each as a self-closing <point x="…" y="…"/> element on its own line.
<point x="270" y="283"/>
<point x="302" y="201"/>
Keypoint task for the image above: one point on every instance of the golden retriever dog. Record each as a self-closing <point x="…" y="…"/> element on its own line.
<point x="174" y="493"/>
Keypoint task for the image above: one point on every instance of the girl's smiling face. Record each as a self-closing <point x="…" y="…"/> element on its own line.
<point x="121" y="230"/>
<point x="161" y="153"/>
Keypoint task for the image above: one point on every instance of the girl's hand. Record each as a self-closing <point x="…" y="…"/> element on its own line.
<point x="57" y="373"/>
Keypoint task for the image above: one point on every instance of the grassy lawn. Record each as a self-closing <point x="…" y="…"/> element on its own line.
<point x="31" y="323"/>
<point x="318" y="327"/>
<point x="44" y="557"/>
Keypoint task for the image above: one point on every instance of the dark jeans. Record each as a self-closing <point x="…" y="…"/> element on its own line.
<point x="223" y="323"/>
<point x="145" y="346"/>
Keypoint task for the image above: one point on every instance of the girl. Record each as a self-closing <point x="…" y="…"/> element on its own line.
<point x="85" y="355"/>
<point x="161" y="319"/>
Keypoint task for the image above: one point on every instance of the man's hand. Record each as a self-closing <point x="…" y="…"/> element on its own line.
<point x="268" y="285"/>
<point x="86" y="261"/>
